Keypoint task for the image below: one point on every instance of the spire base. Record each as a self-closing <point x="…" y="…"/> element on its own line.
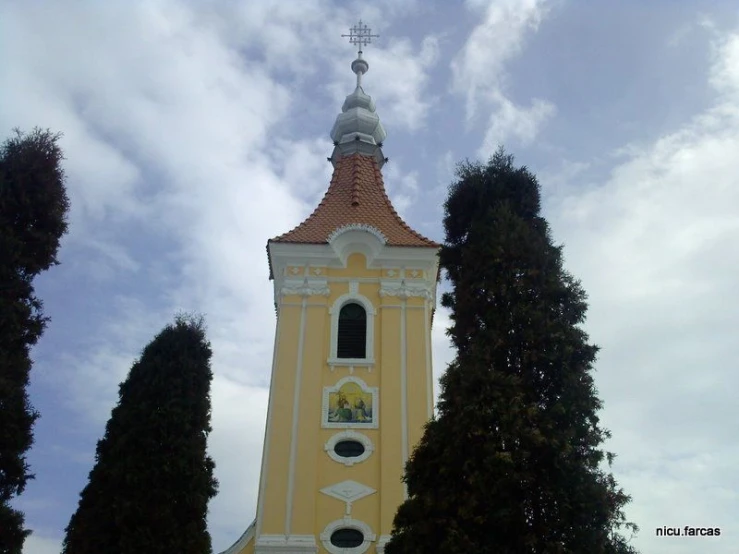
<point x="350" y="147"/>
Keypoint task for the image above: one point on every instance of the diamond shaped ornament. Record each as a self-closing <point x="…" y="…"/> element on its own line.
<point x="348" y="491"/>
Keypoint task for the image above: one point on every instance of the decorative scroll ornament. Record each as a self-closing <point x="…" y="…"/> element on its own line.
<point x="403" y="291"/>
<point x="306" y="289"/>
<point x="358" y="227"/>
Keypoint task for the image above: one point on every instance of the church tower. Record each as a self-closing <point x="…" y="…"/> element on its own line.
<point x="352" y="387"/>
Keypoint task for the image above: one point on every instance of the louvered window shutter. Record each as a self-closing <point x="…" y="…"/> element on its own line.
<point x="352" y="340"/>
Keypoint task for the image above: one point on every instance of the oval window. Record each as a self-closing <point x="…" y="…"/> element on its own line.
<point x="347" y="538"/>
<point x="349" y="449"/>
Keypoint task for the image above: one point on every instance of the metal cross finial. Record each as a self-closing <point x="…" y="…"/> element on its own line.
<point x="360" y="35"/>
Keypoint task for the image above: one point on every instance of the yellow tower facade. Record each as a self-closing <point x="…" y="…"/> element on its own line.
<point x="352" y="384"/>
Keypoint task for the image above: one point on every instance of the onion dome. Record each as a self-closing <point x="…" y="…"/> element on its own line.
<point x="357" y="129"/>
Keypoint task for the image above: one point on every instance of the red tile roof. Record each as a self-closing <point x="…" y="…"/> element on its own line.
<point x="356" y="195"/>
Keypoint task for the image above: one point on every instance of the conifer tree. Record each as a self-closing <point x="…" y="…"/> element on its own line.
<point x="33" y="209"/>
<point x="513" y="462"/>
<point x="152" y="479"/>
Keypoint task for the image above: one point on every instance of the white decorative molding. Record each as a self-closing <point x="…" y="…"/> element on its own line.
<point x="296" y="419"/>
<point x="349" y="435"/>
<point x="374" y="416"/>
<point x="362" y="239"/>
<point x="347" y="523"/>
<point x="287" y="255"/>
<point x="392" y="273"/>
<point x="308" y="287"/>
<point x="369" y="348"/>
<point x="381" y="542"/>
<point x="281" y="544"/>
<point x="317" y="271"/>
<point x="429" y="361"/>
<point x="350" y="363"/>
<point x="353" y="287"/>
<point x="358" y="227"/>
<point x="348" y="491"/>
<point x="403" y="291"/>
<point x="352" y="297"/>
<point x="404" y="388"/>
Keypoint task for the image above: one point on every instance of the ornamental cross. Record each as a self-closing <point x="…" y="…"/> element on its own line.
<point x="360" y="35"/>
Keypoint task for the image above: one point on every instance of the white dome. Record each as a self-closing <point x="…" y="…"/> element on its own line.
<point x="358" y="128"/>
<point x="358" y="121"/>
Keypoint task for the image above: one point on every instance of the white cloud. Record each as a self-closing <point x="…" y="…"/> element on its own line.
<point x="400" y="77"/>
<point x="304" y="166"/>
<point x="239" y="414"/>
<point x="168" y="129"/>
<point x="511" y="121"/>
<point x="654" y="246"/>
<point x="478" y="71"/>
<point x="725" y="71"/>
<point x="402" y="188"/>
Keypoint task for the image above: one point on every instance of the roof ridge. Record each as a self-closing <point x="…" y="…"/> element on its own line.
<point x="355" y="181"/>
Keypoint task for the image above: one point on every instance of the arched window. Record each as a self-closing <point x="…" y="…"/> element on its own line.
<point x="352" y="339"/>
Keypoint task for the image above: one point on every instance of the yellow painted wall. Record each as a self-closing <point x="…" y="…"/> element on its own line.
<point x="313" y="468"/>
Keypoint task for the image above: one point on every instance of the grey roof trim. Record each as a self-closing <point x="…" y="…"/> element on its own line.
<point x="243" y="540"/>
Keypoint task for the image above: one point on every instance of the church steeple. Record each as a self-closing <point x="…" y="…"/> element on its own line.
<point x="356" y="195"/>
<point x="358" y="128"/>
<point x="352" y="383"/>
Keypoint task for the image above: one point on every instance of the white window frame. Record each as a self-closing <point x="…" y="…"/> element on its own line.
<point x="349" y="435"/>
<point x="334" y="310"/>
<point x="347" y="523"/>
<point x="375" y="424"/>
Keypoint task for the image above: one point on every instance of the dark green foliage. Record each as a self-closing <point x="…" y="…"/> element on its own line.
<point x="33" y="208"/>
<point x="512" y="464"/>
<point x="150" y="486"/>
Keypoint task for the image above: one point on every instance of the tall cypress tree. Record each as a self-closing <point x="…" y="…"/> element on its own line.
<point x="513" y="463"/>
<point x="33" y="210"/>
<point x="150" y="486"/>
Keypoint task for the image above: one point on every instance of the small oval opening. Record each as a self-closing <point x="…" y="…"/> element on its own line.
<point x="349" y="448"/>
<point x="347" y="538"/>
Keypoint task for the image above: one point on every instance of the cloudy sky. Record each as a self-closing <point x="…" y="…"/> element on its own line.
<point x="194" y="131"/>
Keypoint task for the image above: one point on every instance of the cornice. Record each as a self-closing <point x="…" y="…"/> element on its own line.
<point x="242" y="541"/>
<point x="380" y="256"/>
<point x="280" y="544"/>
